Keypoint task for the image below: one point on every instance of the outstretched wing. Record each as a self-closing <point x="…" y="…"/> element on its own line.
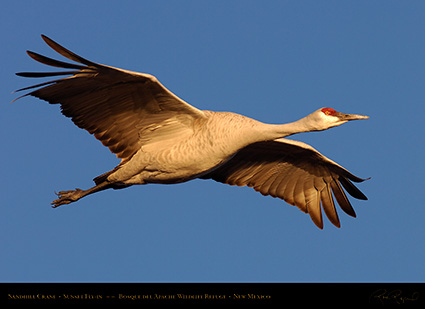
<point x="119" y="107"/>
<point x="294" y="172"/>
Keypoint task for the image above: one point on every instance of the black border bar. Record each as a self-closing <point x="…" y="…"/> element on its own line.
<point x="290" y="294"/>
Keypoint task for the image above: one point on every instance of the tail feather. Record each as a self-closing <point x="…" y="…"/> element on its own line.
<point x="102" y="178"/>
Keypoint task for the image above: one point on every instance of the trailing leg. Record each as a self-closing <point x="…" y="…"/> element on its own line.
<point x="66" y="197"/>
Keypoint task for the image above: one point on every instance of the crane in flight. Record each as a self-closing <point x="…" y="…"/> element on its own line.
<point x="162" y="139"/>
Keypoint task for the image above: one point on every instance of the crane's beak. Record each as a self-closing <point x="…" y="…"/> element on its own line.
<point x="348" y="117"/>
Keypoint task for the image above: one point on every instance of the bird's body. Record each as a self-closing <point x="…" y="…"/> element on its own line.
<point x="201" y="146"/>
<point x="162" y="139"/>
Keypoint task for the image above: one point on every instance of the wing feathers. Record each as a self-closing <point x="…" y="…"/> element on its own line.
<point x="303" y="187"/>
<point x="294" y="172"/>
<point x="45" y="74"/>
<point x="329" y="205"/>
<point x="54" y="63"/>
<point x="313" y="208"/>
<point x="342" y="199"/>
<point x="352" y="189"/>
<point x="288" y="193"/>
<point x="67" y="53"/>
<point x="113" y="104"/>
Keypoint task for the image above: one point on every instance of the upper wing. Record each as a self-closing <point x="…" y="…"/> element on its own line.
<point x="295" y="172"/>
<point x="121" y="108"/>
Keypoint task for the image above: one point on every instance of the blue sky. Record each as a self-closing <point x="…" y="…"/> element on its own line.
<point x="274" y="61"/>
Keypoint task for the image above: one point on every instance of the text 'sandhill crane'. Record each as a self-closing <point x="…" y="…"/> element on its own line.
<point x="162" y="139"/>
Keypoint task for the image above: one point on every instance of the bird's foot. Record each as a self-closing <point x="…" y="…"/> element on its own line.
<point x="66" y="197"/>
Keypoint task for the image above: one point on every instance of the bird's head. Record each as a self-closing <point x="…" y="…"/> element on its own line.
<point x="327" y="117"/>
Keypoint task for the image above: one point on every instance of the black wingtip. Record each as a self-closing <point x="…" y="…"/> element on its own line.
<point x="352" y="189"/>
<point x="361" y="179"/>
<point x="18" y="97"/>
<point x="45" y="74"/>
<point x="30" y="53"/>
<point x="66" y="52"/>
<point x="47" y="39"/>
<point x="52" y="62"/>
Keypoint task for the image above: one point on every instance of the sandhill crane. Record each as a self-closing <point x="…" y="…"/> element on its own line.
<point x="162" y="139"/>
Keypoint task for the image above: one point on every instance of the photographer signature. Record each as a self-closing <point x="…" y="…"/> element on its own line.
<point x="394" y="296"/>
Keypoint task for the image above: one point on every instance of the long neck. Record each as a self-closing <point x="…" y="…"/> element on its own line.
<point x="274" y="131"/>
